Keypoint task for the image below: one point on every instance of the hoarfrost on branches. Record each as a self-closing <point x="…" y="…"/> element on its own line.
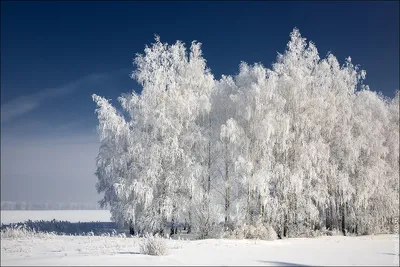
<point x="301" y="147"/>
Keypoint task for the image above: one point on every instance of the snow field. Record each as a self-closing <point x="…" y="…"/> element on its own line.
<point x="377" y="250"/>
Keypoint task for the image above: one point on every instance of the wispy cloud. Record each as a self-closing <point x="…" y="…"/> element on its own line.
<point x="56" y="150"/>
<point x="27" y="103"/>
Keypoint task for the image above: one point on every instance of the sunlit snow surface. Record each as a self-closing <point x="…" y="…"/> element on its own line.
<point x="95" y="250"/>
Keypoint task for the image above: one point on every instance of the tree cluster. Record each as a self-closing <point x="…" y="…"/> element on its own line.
<point x="299" y="147"/>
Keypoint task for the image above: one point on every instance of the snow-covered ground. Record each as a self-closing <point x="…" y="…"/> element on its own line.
<point x="95" y="250"/>
<point x="15" y="216"/>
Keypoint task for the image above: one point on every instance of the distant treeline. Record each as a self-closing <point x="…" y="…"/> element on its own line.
<point x="68" y="228"/>
<point x="12" y="205"/>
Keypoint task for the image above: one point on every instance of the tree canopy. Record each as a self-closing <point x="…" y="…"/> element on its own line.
<point x="302" y="146"/>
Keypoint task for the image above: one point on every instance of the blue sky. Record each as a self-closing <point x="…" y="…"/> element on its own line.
<point x="54" y="55"/>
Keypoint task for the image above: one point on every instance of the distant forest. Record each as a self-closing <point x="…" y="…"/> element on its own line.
<point x="12" y="205"/>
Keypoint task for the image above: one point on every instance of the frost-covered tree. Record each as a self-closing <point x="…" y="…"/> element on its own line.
<point x="299" y="147"/>
<point x="163" y="140"/>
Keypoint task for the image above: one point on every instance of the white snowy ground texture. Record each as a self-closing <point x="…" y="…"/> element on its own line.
<point x="380" y="250"/>
<point x="50" y="249"/>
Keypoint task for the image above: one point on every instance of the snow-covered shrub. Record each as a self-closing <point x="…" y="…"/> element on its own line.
<point x="153" y="245"/>
<point x="121" y="235"/>
<point x="259" y="230"/>
<point x="217" y="231"/>
<point x="237" y="233"/>
<point x="267" y="232"/>
<point x="21" y="231"/>
<point x="334" y="232"/>
<point x="90" y="233"/>
<point x="205" y="221"/>
<point x="15" y="232"/>
<point x="309" y="233"/>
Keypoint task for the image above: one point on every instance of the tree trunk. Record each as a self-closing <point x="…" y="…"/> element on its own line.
<point x="248" y="204"/>
<point x="263" y="211"/>
<point x="227" y="188"/>
<point x="209" y="156"/>
<point x="344" y="218"/>
<point x="285" y="227"/>
<point x="131" y="228"/>
<point x="328" y="224"/>
<point x="227" y="203"/>
<point x="173" y="228"/>
<point x="356" y="227"/>
<point x="333" y="217"/>
<point x="189" y="225"/>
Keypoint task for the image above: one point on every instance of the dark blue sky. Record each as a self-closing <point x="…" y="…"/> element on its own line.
<point x="54" y="55"/>
<point x="50" y="44"/>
